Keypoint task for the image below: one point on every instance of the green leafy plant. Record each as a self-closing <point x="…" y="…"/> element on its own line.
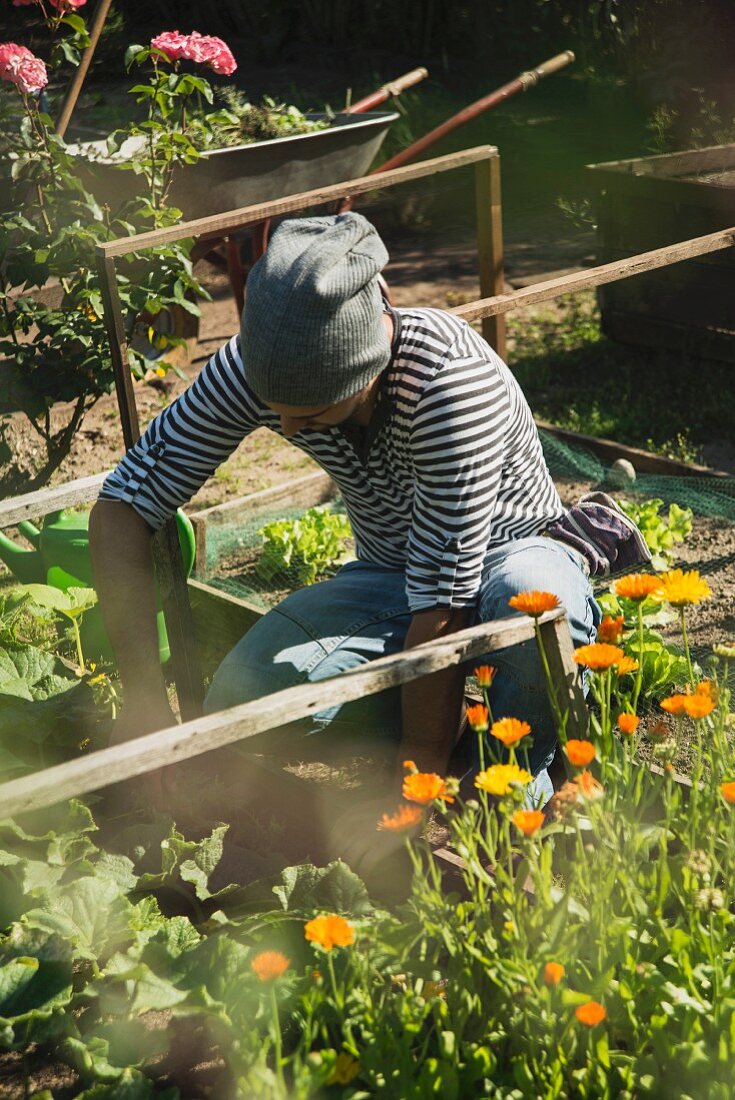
<point x="299" y="550"/>
<point x="71" y="604"/>
<point x="240" y="122"/>
<point x="53" y="343"/>
<point x="661" y="532"/>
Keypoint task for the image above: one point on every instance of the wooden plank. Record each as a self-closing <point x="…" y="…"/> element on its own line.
<point x="220" y="620"/>
<point x="684" y="192"/>
<point x="220" y="225"/>
<point x="308" y="490"/>
<point x="117" y="340"/>
<point x="489" y="217"/>
<point x="171" y="577"/>
<point x="83" y="490"/>
<point x="557" y="643"/>
<point x="643" y="461"/>
<point x="168" y="746"/>
<point x="682" y="163"/>
<point x="595" y="276"/>
<point x="699" y="342"/>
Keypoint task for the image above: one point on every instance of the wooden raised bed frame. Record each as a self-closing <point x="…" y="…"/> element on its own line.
<point x="200" y="735"/>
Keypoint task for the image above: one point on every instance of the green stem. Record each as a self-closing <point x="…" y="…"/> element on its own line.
<point x="639" y="673"/>
<point x="78" y="640"/>
<point x="550" y="686"/>
<point x="277" y="1039"/>
<point x="682" y="620"/>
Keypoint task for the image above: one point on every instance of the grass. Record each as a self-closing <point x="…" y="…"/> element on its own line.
<point x="576" y="378"/>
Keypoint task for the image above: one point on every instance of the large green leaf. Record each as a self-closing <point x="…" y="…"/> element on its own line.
<point x="33" y="996"/>
<point x="92" y="913"/>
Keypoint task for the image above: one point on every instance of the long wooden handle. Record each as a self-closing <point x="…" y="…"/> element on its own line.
<point x="72" y="95"/>
<point x="392" y="88"/>
<point x="546" y="68"/>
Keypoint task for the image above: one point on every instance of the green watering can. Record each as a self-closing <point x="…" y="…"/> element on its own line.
<point x="60" y="557"/>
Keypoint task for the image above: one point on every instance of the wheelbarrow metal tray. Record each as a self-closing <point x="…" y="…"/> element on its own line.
<point x="240" y="175"/>
<point x="647" y="203"/>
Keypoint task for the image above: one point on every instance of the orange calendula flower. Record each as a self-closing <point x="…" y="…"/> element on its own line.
<point x="579" y="753"/>
<point x="534" y="603"/>
<point x="698" y="705"/>
<point x="510" y="731"/>
<point x="598" y="656"/>
<point x="409" y="766"/>
<point x="269" y="965"/>
<point x="553" y="973"/>
<point x="499" y="779"/>
<point x="330" y="931"/>
<point x="478" y="718"/>
<point x="637" y="586"/>
<point x="627" y="664"/>
<point x="528" y="821"/>
<point x="588" y="786"/>
<point x="628" y="723"/>
<point x="405" y="817"/>
<point x="485" y="674"/>
<point x="590" y="1014"/>
<point x="728" y="792"/>
<point x="679" y="588"/>
<point x="424" y="787"/>
<point x="610" y="630"/>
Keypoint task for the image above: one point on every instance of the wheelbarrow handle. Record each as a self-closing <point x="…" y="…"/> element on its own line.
<point x="392" y="88"/>
<point x="530" y="78"/>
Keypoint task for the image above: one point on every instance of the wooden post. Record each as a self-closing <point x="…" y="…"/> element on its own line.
<point x="166" y="549"/>
<point x="489" y="208"/>
<point x="72" y="95"/>
<point x="557" y="643"/>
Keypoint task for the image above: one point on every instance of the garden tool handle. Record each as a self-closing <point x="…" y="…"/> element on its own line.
<point x="546" y="68"/>
<point x="392" y="88"/>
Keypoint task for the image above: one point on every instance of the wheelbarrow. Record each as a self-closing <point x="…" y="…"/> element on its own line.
<point x="522" y="83"/>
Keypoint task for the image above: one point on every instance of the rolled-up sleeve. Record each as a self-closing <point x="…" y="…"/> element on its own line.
<point x="186" y="442"/>
<point x="458" y="443"/>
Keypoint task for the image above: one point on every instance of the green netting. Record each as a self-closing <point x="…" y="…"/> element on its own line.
<point x="234" y="546"/>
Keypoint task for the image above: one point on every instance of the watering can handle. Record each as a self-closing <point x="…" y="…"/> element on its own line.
<point x="546" y="68"/>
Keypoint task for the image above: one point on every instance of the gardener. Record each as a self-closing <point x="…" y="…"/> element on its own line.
<point x="435" y="452"/>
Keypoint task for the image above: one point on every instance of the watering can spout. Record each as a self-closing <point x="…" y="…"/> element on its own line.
<point x="26" y="565"/>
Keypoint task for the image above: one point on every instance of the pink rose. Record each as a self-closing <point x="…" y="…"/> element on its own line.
<point x="28" y="74"/>
<point x="65" y="5"/>
<point x="20" y="67"/>
<point x="207" y="49"/>
<point x="23" y="3"/>
<point x="10" y="52"/>
<point x="172" y="43"/>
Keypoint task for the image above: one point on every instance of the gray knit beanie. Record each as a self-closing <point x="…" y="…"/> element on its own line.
<point x="312" y="329"/>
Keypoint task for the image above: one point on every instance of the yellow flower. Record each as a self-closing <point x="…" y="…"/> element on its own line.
<point x="528" y="821"/>
<point x="679" y="588"/>
<point x="424" y="787"/>
<point x="330" y="931"/>
<point x="346" y="1069"/>
<point x="726" y="650"/>
<point x="598" y="656"/>
<point x="553" y="973"/>
<point x="627" y="664"/>
<point x="269" y="965"/>
<point x="500" y="778"/>
<point x="405" y="817"/>
<point x="510" y="731"/>
<point x="434" y="989"/>
<point x="637" y="586"/>
<point x="534" y="603"/>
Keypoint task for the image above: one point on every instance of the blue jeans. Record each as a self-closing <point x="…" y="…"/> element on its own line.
<point x="362" y="613"/>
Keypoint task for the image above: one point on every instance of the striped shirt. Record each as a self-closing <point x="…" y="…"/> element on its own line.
<point x="451" y="467"/>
